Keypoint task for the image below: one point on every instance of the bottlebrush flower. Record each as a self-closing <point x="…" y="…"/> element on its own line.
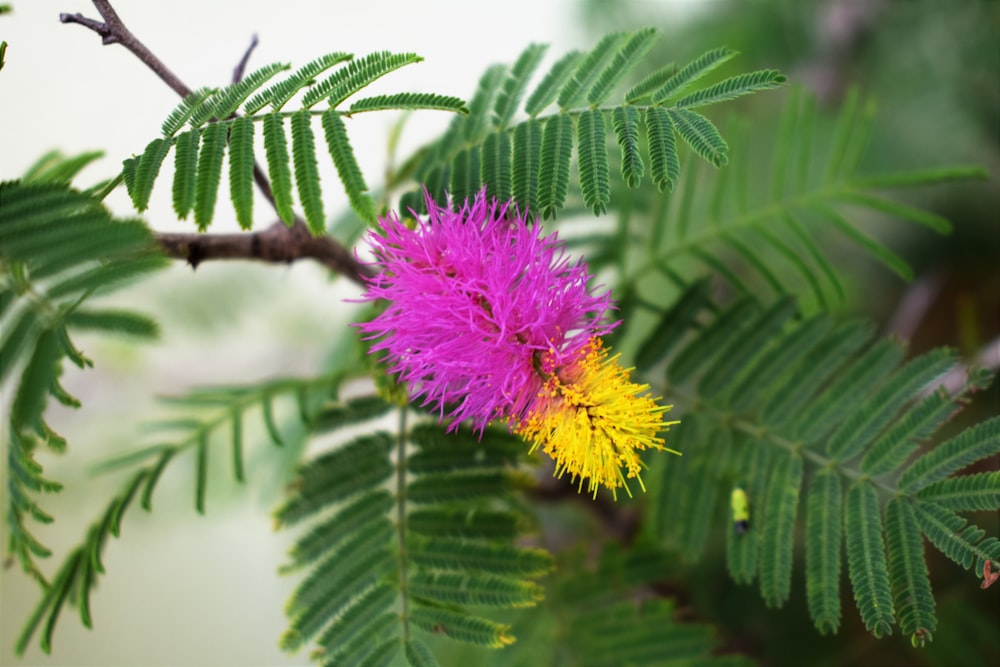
<point x="591" y="419"/>
<point x="475" y="298"/>
<point x="489" y="320"/>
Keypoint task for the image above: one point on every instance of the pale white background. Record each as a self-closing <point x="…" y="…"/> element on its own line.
<point x="182" y="589"/>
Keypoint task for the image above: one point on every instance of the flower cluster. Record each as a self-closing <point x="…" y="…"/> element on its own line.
<point x="487" y="319"/>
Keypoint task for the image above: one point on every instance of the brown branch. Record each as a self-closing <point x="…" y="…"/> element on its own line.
<point x="277" y="243"/>
<point x="241" y="67"/>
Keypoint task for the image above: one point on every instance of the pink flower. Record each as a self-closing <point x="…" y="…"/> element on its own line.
<point x="481" y="308"/>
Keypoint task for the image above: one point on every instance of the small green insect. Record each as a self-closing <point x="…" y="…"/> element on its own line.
<point x="741" y="510"/>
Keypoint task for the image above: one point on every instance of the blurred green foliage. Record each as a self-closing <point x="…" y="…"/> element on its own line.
<point x="933" y="69"/>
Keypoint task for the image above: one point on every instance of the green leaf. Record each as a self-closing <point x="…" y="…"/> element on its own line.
<point x="841" y="398"/>
<point x="241" y="165"/>
<point x="734" y="358"/>
<point x="347" y="167"/>
<point x="458" y="555"/>
<point x="812" y="249"/>
<point x="877" y="249"/>
<point x="462" y="450"/>
<point x="586" y="73"/>
<point x="338" y="580"/>
<point x="409" y="101"/>
<point x="771" y="369"/>
<point x="479" y="123"/>
<point x="147" y="170"/>
<point x="267" y="413"/>
<point x="461" y="627"/>
<point x="552" y="83"/>
<point x="902" y="211"/>
<point x="33" y="389"/>
<point x="955" y="537"/>
<point x="922" y="177"/>
<point x="353" y="411"/>
<point x="337" y="476"/>
<point x="328" y="535"/>
<point x="154" y="477"/>
<point x="650" y="83"/>
<point x="908" y="574"/>
<point x="664" y="165"/>
<point x="357" y="623"/>
<point x="276" y="149"/>
<point x="465" y="180"/>
<point x="114" y="321"/>
<point x="969" y="446"/>
<point x="514" y="86"/>
<point x="225" y="103"/>
<point x="595" y="184"/>
<point x="900" y="440"/>
<point x="180" y="115"/>
<point x="866" y="562"/>
<point x="673" y="326"/>
<point x="237" y="433"/>
<point x="54" y="167"/>
<point x="625" y="120"/>
<point x="450" y="487"/>
<point x="703" y="348"/>
<point x="743" y="550"/>
<point x="780" y="509"/>
<point x="702" y="493"/>
<point x="474" y="589"/>
<point x="690" y="73"/>
<point x="356" y="75"/>
<point x="201" y="473"/>
<point x="185" y="172"/>
<point x="823" y="540"/>
<point x="624" y="61"/>
<point x="279" y="93"/>
<point x="733" y="87"/>
<point x="213" y="146"/>
<point x="965" y="493"/>
<point x="553" y="174"/>
<point x="362" y="649"/>
<point x="307" y="171"/>
<point x="525" y="165"/>
<point x="863" y="426"/>
<point x="418" y="655"/>
<point x="701" y="135"/>
<point x="495" y="170"/>
<point x="474" y="523"/>
<point x="846" y="121"/>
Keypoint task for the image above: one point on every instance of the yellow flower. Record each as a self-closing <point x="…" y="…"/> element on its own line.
<point x="590" y="418"/>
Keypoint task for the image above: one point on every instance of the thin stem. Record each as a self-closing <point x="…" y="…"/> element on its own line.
<point x="114" y="31"/>
<point x="241" y="66"/>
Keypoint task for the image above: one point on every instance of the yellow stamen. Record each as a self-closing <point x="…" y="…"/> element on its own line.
<point x="590" y="418"/>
